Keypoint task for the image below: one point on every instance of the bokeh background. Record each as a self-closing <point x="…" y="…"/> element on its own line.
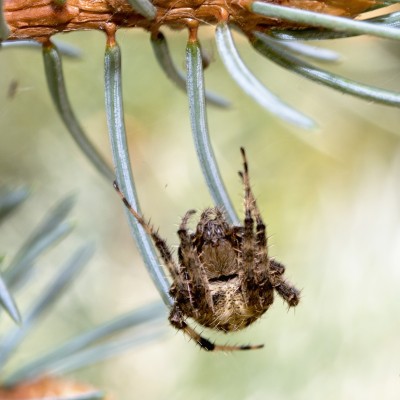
<point x="331" y="198"/>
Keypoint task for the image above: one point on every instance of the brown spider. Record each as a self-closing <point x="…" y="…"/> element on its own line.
<point x="224" y="278"/>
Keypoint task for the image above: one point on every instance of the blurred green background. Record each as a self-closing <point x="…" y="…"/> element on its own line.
<point x="330" y="197"/>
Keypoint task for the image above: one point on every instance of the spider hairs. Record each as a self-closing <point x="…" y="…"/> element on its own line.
<point x="223" y="278"/>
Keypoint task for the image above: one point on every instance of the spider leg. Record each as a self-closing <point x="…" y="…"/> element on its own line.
<point x="189" y="260"/>
<point x="254" y="245"/>
<point x="159" y="242"/>
<point x="248" y="236"/>
<point x="288" y="292"/>
<point x="285" y="289"/>
<point x="251" y="208"/>
<point x="264" y="267"/>
<point x="176" y="319"/>
<point x="185" y="219"/>
<point x="276" y="268"/>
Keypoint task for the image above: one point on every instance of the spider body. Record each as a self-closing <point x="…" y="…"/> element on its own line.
<point x="230" y="310"/>
<point x="219" y="300"/>
<point x="224" y="278"/>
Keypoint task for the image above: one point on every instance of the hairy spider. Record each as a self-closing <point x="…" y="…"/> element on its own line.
<point x="224" y="278"/>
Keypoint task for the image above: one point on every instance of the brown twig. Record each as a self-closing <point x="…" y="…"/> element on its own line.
<point x="40" y="19"/>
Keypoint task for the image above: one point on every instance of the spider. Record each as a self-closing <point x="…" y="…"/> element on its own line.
<point x="224" y="278"/>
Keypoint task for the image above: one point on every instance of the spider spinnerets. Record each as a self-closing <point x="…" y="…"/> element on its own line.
<point x="224" y="278"/>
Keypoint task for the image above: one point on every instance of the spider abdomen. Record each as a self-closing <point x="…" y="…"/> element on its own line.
<point x="231" y="310"/>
